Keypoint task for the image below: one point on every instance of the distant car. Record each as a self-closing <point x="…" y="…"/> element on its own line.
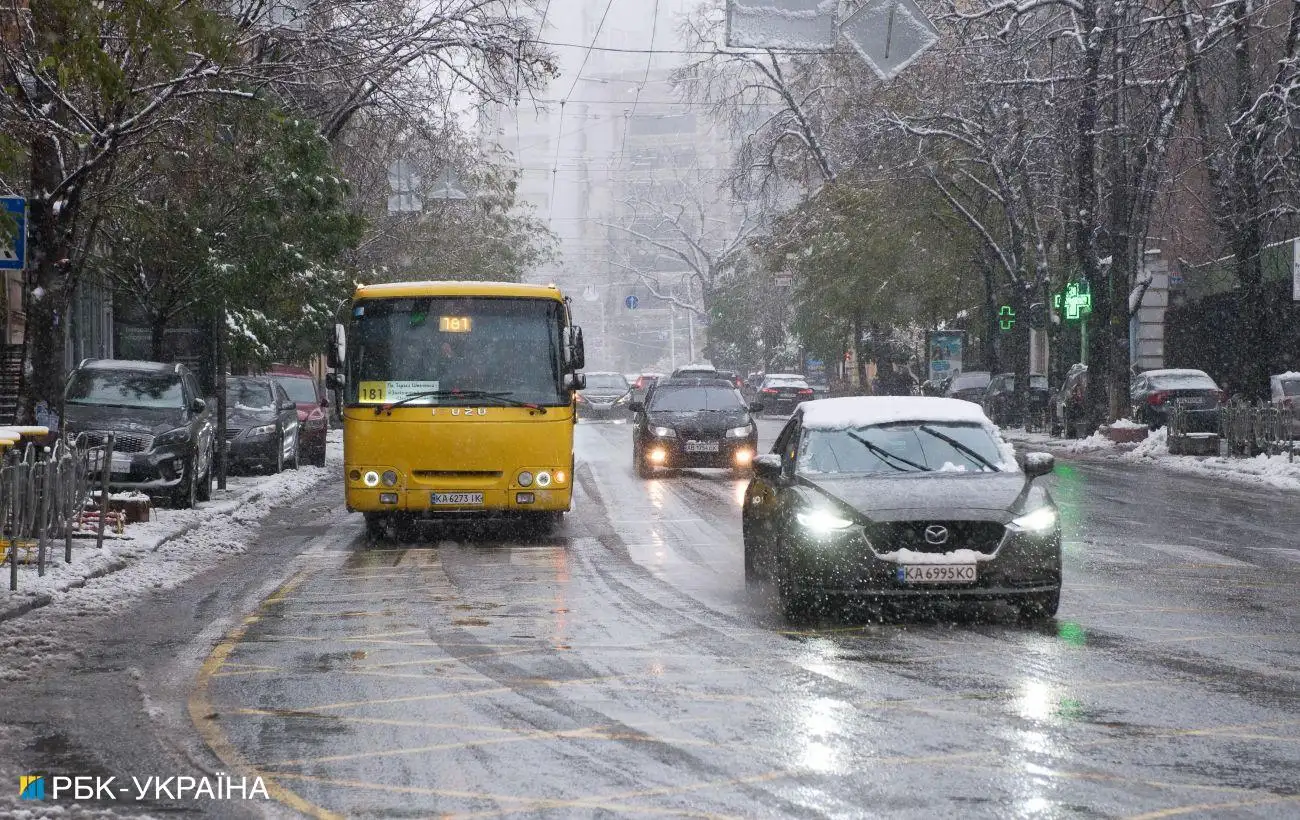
<point x="1068" y="402"/>
<point x="821" y="388"/>
<point x="642" y="383"/>
<point x="606" y="396"/>
<point x="732" y="376"/>
<point x="165" y="435"/>
<point x="900" y="498"/>
<point x="753" y="380"/>
<point x="313" y="409"/>
<point x="696" y="369"/>
<point x="969" y="386"/>
<point x="261" y="424"/>
<point x="999" y="400"/>
<point x="1284" y="390"/>
<point x="1156" y="394"/>
<point x="781" y="393"/>
<point x="693" y="423"/>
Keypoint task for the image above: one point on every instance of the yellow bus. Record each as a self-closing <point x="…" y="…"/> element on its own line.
<point x="457" y="402"/>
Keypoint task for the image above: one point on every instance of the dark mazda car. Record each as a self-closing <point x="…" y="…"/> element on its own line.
<point x="606" y="396"/>
<point x="903" y="498"/>
<point x="782" y="392"/>
<point x="693" y="423"/>
<point x="164" y="432"/>
<point x="261" y="424"/>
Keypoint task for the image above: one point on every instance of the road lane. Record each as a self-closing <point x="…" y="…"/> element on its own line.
<point x="621" y="667"/>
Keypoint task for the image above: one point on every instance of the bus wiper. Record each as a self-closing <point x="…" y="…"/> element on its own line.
<point x="500" y="398"/>
<point x="883" y="454"/>
<point x="962" y="448"/>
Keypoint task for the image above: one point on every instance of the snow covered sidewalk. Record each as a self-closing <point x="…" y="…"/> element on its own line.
<point x="172" y="546"/>
<point x="1275" y="471"/>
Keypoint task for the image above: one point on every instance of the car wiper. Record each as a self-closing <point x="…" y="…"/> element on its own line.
<point x="962" y="448"/>
<point x="500" y="398"/>
<point x="883" y="454"/>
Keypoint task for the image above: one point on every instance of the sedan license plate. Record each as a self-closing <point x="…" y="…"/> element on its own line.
<point x="701" y="447"/>
<point x="937" y="574"/>
<point x="456" y="498"/>
<point x="121" y="463"/>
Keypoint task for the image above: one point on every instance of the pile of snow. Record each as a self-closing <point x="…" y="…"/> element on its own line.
<point x="1126" y="424"/>
<point x="1155" y="444"/>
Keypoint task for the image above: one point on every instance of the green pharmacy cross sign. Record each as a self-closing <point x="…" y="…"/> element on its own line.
<point x="1076" y="300"/>
<point x="1007" y="317"/>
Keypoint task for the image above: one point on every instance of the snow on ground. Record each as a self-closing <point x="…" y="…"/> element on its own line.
<point x="1279" y="471"/>
<point x="159" y="554"/>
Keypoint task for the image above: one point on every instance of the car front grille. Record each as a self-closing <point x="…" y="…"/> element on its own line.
<point x="980" y="536"/>
<point x="122" y="442"/>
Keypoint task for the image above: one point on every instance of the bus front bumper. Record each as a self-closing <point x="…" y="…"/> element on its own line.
<point x="458" y="503"/>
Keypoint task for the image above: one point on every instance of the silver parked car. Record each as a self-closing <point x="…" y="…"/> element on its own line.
<point x="1284" y="394"/>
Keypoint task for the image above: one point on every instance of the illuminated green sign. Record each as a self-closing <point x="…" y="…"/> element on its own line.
<point x="1076" y="300"/>
<point x="1007" y="317"/>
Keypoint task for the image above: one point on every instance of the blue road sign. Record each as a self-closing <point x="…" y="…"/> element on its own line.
<point x="631" y="302"/>
<point x="13" y="251"/>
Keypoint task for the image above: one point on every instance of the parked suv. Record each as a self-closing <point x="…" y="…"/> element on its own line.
<point x="313" y="421"/>
<point x="164" y="432"/>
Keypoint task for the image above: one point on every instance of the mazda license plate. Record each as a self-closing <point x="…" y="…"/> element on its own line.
<point x="701" y="447"/>
<point x="936" y="574"/>
<point x="438" y="499"/>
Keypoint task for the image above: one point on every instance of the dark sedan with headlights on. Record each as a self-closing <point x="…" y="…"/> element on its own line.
<point x="905" y="499"/>
<point x="261" y="424"/>
<point x="606" y="396"/>
<point x="693" y="423"/>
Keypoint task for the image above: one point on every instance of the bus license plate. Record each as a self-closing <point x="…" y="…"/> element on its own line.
<point x="937" y="574"/>
<point x="457" y="498"/>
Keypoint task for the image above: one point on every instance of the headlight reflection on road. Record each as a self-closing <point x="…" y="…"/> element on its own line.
<point x="820" y="732"/>
<point x="1037" y="700"/>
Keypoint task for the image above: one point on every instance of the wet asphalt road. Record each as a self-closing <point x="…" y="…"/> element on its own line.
<point x="620" y="668"/>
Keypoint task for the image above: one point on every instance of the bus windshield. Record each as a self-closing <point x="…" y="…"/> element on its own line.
<point x="424" y="350"/>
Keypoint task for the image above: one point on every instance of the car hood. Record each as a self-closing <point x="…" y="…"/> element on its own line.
<point x="990" y="496"/>
<point x="241" y="418"/>
<point x="704" y="421"/>
<point x="145" y="420"/>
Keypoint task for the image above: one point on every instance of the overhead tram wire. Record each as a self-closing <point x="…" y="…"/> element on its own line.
<point x="627" y="126"/>
<point x="559" y="137"/>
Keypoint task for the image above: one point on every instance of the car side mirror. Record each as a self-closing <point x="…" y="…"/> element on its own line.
<point x="755" y="407"/>
<point x="636" y="406"/>
<point x="288" y="405"/>
<point x="768" y="467"/>
<point x="324" y="401"/>
<point x="575" y="381"/>
<point x="1039" y="464"/>
<point x="198" y="406"/>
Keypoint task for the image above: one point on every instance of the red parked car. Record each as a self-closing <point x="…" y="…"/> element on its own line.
<point x="313" y="422"/>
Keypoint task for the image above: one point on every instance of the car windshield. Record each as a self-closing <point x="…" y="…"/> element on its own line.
<point x="682" y="399"/>
<point x="247" y="394"/>
<point x="1291" y="387"/>
<point x="606" y="381"/>
<point x="126" y="388"/>
<point x="892" y="449"/>
<point x="1183" y="381"/>
<point x="301" y="389"/>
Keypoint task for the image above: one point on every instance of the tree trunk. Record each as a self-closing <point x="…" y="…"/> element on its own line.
<point x="158" y="338"/>
<point x="1084" y="213"/>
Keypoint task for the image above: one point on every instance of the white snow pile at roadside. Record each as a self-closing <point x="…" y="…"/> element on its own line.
<point x="1154" y="445"/>
<point x="161" y="554"/>
<point x="1126" y="424"/>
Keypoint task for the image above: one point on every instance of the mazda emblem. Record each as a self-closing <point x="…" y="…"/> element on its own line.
<point x="936" y="534"/>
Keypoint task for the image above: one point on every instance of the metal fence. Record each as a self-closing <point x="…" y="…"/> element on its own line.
<point x="43" y="493"/>
<point x="1247" y="429"/>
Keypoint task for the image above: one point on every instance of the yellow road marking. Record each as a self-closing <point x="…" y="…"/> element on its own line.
<point x="1202" y="807"/>
<point x="204" y="716"/>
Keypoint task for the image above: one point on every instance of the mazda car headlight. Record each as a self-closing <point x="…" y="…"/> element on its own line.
<point x="822" y="522"/>
<point x="172" y="438"/>
<point x="259" y="432"/>
<point x="664" y="432"/>
<point x="738" y="432"/>
<point x="623" y="399"/>
<point x="1039" y="522"/>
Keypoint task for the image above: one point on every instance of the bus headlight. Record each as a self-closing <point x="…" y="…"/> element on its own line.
<point x="543" y="479"/>
<point x="370" y="479"/>
<point x="525" y="479"/>
<point x="389" y="478"/>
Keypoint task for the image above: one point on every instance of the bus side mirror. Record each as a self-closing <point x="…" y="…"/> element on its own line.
<point x="577" y="352"/>
<point x="337" y="352"/>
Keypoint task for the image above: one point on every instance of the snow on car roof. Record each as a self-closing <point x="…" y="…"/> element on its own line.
<point x="861" y="411"/>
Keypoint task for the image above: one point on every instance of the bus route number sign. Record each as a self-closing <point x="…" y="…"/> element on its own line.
<point x="454" y="324"/>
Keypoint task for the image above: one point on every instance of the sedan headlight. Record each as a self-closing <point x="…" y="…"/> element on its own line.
<point x="173" y="438"/>
<point x="822" y="522"/>
<point x="1039" y="522"/>
<point x="738" y="432"/>
<point x="259" y="432"/>
<point x="623" y="399"/>
<point x="664" y="432"/>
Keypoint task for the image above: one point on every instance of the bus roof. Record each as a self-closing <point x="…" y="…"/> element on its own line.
<point x="453" y="288"/>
